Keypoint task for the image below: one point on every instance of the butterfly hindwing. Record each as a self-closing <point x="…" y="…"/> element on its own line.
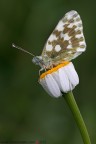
<point x="67" y="40"/>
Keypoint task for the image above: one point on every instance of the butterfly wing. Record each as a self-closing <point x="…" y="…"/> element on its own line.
<point x="67" y="40"/>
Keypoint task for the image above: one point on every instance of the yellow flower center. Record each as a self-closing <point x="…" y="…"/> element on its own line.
<point x="54" y="69"/>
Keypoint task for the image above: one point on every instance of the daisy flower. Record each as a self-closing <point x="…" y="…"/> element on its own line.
<point x="62" y="78"/>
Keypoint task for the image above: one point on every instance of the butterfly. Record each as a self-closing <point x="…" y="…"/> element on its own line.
<point x="64" y="44"/>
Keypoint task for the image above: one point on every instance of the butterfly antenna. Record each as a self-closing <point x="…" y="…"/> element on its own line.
<point x="17" y="47"/>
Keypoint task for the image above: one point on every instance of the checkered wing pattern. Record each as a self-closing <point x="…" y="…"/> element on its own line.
<point x="67" y="40"/>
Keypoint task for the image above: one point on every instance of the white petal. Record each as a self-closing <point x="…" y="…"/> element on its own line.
<point x="72" y="74"/>
<point x="64" y="81"/>
<point x="56" y="77"/>
<point x="44" y="85"/>
<point x="52" y="86"/>
<point x="58" y="80"/>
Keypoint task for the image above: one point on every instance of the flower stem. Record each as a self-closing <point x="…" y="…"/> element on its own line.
<point x="78" y="117"/>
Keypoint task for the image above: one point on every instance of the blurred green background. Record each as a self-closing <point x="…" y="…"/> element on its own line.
<point x="27" y="112"/>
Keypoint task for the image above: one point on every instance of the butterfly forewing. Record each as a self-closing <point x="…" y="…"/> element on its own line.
<point x="67" y="40"/>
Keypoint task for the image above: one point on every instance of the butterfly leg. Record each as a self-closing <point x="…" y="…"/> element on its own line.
<point x="41" y="70"/>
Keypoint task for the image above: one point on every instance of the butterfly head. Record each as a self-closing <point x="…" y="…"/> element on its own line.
<point x="38" y="61"/>
<point x="43" y="63"/>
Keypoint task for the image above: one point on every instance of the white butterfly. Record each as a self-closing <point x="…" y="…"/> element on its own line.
<point x="64" y="44"/>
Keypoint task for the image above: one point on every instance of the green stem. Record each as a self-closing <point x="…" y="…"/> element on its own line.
<point x="78" y="117"/>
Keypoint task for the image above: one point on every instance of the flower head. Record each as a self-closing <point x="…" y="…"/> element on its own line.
<point x="62" y="78"/>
